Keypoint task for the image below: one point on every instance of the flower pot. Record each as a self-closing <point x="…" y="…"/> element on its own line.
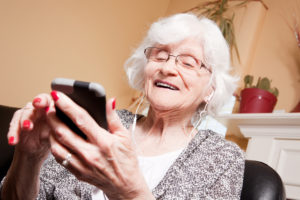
<point x="255" y="100"/>
<point x="297" y="108"/>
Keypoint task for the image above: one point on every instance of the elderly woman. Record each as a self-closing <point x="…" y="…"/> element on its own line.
<point x="182" y="67"/>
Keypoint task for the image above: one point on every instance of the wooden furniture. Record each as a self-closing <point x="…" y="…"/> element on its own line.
<point x="274" y="138"/>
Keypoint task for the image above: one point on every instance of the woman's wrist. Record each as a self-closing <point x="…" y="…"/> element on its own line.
<point x="145" y="195"/>
<point x="25" y="165"/>
<point x="138" y="192"/>
<point x="28" y="160"/>
<point x="143" y="192"/>
<point x="22" y="179"/>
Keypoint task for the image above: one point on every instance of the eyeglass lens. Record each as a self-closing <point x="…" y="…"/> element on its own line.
<point x="161" y="55"/>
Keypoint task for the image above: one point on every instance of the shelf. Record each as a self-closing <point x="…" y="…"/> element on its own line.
<point x="262" y="118"/>
<point x="277" y="125"/>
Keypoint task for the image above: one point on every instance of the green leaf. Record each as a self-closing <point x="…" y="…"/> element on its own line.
<point x="215" y="10"/>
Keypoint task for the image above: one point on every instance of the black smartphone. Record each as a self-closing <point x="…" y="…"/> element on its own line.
<point x="88" y="95"/>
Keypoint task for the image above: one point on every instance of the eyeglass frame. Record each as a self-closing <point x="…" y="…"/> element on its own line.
<point x="176" y="58"/>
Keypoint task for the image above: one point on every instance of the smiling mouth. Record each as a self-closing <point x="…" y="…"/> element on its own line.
<point x="165" y="85"/>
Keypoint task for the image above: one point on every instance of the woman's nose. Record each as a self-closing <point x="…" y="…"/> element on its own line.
<point x="170" y="66"/>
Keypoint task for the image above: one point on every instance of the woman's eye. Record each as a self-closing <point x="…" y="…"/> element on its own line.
<point x="161" y="56"/>
<point x="188" y="64"/>
<point x="160" y="59"/>
<point x="188" y="61"/>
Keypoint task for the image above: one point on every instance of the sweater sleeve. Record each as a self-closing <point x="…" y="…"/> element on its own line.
<point x="229" y="184"/>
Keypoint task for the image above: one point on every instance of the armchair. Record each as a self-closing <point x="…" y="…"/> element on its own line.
<point x="6" y="150"/>
<point x="261" y="182"/>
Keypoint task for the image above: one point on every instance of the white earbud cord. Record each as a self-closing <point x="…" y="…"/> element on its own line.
<point x="134" y="121"/>
<point x="201" y="116"/>
<point x="203" y="112"/>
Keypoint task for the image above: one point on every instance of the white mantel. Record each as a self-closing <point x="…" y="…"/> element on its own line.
<point x="274" y="138"/>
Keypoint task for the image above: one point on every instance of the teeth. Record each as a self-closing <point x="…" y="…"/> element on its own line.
<point x="165" y="85"/>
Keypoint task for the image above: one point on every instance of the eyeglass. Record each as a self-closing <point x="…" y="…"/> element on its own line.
<point x="161" y="55"/>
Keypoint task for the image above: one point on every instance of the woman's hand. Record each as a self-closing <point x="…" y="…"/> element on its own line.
<point x="106" y="159"/>
<point x="29" y="130"/>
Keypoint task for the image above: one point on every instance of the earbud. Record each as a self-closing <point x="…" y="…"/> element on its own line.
<point x="209" y="97"/>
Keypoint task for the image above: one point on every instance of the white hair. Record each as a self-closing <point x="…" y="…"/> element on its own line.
<point x="216" y="54"/>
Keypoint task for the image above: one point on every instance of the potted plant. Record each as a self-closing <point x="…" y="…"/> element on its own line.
<point x="259" y="98"/>
<point x="222" y="12"/>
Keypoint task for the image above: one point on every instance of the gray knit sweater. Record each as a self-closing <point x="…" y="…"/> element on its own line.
<point x="209" y="168"/>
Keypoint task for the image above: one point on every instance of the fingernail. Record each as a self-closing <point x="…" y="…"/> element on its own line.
<point x="114" y="104"/>
<point x="54" y="95"/>
<point x="47" y="109"/>
<point x="26" y="124"/>
<point x="11" y="140"/>
<point x="37" y="100"/>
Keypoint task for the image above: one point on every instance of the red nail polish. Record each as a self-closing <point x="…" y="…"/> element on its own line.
<point x="47" y="109"/>
<point x="26" y="124"/>
<point x="54" y="95"/>
<point x="114" y="104"/>
<point x="37" y="100"/>
<point x="11" y="140"/>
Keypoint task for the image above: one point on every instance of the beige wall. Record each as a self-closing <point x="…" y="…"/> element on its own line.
<point x="85" y="40"/>
<point x="90" y="40"/>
